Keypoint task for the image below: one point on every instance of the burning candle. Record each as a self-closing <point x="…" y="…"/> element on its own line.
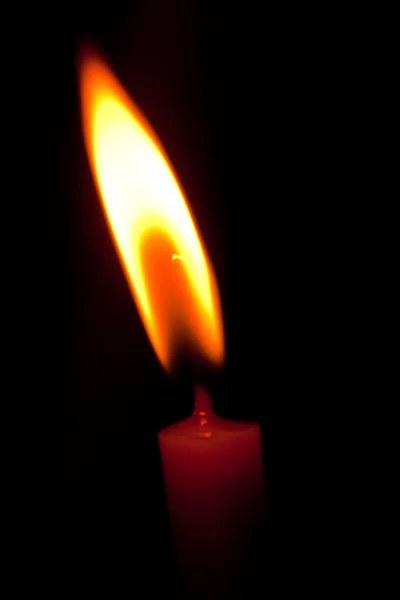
<point x="215" y="491"/>
<point x="212" y="467"/>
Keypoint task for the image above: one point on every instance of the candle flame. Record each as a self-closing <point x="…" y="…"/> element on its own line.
<point x="149" y="219"/>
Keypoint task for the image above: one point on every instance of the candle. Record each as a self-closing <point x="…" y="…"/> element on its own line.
<point x="212" y="467"/>
<point x="215" y="493"/>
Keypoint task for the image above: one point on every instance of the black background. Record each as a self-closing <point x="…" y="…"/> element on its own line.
<point x="232" y="97"/>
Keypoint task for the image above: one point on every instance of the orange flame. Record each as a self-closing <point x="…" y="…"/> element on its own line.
<point x="165" y="262"/>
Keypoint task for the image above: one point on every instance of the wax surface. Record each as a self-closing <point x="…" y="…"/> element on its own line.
<point x="216" y="498"/>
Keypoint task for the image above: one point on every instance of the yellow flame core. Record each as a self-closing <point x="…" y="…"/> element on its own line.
<point x="140" y="194"/>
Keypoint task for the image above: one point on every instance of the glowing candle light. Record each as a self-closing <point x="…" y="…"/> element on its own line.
<point x="212" y="467"/>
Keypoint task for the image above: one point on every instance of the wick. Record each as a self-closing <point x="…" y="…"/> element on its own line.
<point x="203" y="412"/>
<point x="202" y="403"/>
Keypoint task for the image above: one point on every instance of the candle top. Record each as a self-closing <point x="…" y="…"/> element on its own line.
<point x="205" y="424"/>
